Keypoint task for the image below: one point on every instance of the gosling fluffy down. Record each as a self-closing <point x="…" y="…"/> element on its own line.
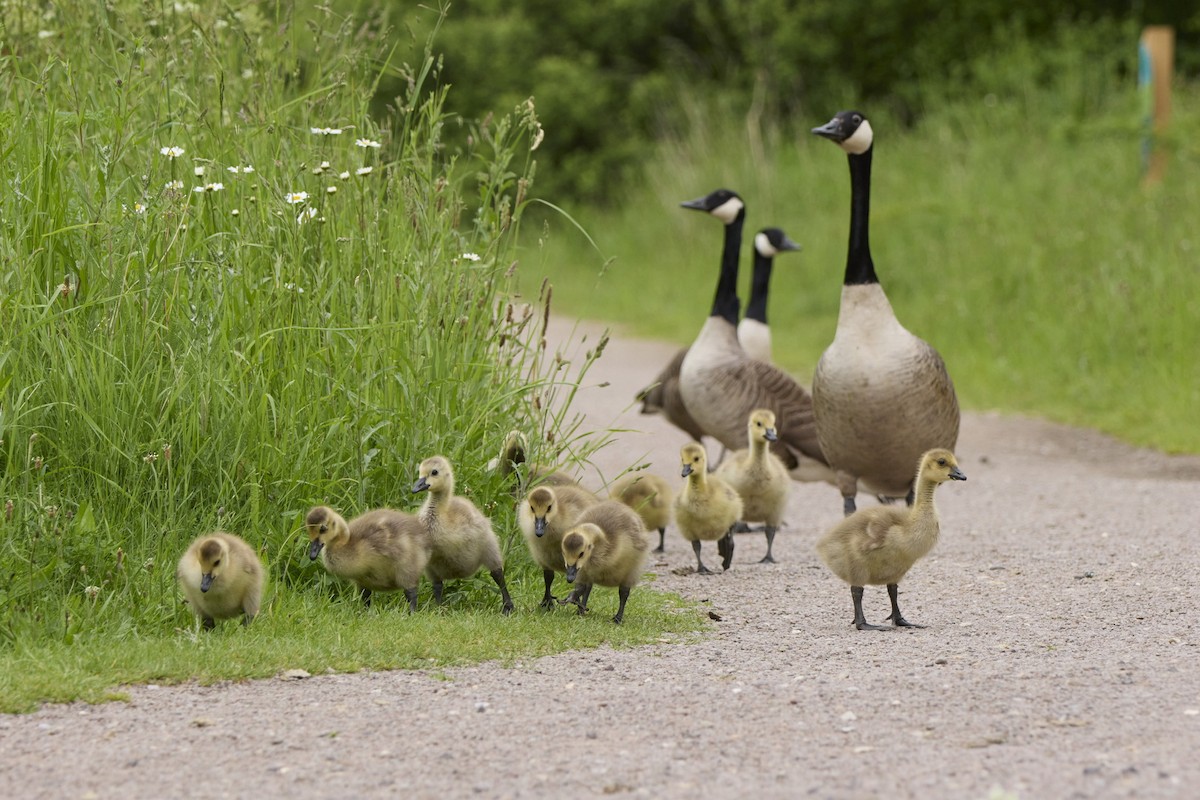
<point x="759" y="477"/>
<point x="513" y="461"/>
<point x="221" y="577"/>
<point x="651" y="497"/>
<point x="607" y="547"/>
<point x="707" y="507"/>
<point x="544" y="516"/>
<point x="462" y="537"/>
<point x="878" y="545"/>
<point x="381" y="551"/>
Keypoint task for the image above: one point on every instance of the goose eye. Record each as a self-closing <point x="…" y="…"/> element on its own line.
<point x="941" y="462"/>
<point x="217" y="563"/>
<point x="434" y="472"/>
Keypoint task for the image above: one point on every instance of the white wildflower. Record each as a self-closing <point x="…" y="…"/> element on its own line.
<point x="172" y="152"/>
<point x="213" y="187"/>
<point x="92" y="592"/>
<point x="537" y="138"/>
<point x="198" y="171"/>
<point x="327" y="131"/>
<point x="471" y="256"/>
<point x="344" y="175"/>
<point x="235" y="170"/>
<point x="367" y="143"/>
<point x="294" y="288"/>
<point x="331" y="189"/>
<point x="363" y="170"/>
<point x="197" y="189"/>
<point x="138" y="208"/>
<point x="305" y="215"/>
<point x="234" y="213"/>
<point x="174" y="185"/>
<point x="45" y="34"/>
<point x="296" y="197"/>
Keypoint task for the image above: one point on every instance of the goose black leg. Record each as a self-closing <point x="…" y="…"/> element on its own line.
<point x="860" y="622"/>
<point x="725" y="548"/>
<point x="741" y="527"/>
<point x="411" y="594"/>
<point x="498" y="577"/>
<point x="848" y="506"/>
<point x="700" y="568"/>
<point x="662" y="540"/>
<point x="896" y="616"/>
<point x="547" y="598"/>
<point x="365" y="594"/>
<point x="768" y="558"/>
<point x="623" y="593"/>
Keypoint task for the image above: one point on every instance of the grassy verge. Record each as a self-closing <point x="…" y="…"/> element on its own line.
<point x="1013" y="236"/>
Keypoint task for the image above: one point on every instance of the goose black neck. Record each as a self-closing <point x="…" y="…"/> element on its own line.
<point x="860" y="269"/>
<point x="756" y="308"/>
<point x="725" y="302"/>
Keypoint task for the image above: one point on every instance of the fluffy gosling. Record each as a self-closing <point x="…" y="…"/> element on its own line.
<point x="380" y="551"/>
<point x="759" y="477"/>
<point x="221" y="577"/>
<point x="544" y="516"/>
<point x="607" y="547"/>
<point x="651" y="497"/>
<point x="878" y="545"/>
<point x="461" y="536"/>
<point x="707" y="508"/>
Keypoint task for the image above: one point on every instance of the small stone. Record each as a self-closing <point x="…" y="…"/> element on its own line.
<point x="294" y="675"/>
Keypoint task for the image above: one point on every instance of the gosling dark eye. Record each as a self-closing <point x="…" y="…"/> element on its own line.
<point x="434" y="472"/>
<point x="217" y="563"/>
<point x="941" y="462"/>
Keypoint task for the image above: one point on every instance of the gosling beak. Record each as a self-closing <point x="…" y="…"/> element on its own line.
<point x="420" y="486"/>
<point x="572" y="571"/>
<point x="539" y="526"/>
<point x="956" y="474"/>
<point x="206" y="581"/>
<point x="831" y="130"/>
<point x="770" y="435"/>
<point x="314" y="549"/>
<point x="687" y="470"/>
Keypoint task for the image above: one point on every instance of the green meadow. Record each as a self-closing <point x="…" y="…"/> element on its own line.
<point x="1012" y="232"/>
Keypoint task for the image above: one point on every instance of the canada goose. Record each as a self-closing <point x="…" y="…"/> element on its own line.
<point x="721" y="385"/>
<point x="878" y="545"/>
<point x="650" y="496"/>
<point x="380" y="551"/>
<point x="221" y="577"/>
<point x="707" y="507"/>
<point x="607" y="546"/>
<point x="461" y="536"/>
<point x="512" y="460"/>
<point x="753" y="333"/>
<point x="759" y="477"/>
<point x="882" y="396"/>
<point x="544" y="516"/>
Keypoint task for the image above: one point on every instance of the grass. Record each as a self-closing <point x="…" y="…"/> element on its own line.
<point x="1013" y="236"/>
<point x="192" y="344"/>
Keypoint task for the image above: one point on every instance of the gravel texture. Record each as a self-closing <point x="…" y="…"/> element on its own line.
<point x="1060" y="660"/>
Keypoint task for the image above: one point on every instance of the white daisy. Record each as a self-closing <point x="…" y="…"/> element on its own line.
<point x="363" y="170"/>
<point x="296" y="197"/>
<point x="331" y="189"/>
<point x="471" y="256"/>
<point x="305" y="215"/>
<point x="344" y="175"/>
<point x="326" y="131"/>
<point x="198" y="171"/>
<point x="174" y="185"/>
<point x="367" y="143"/>
<point x="172" y="152"/>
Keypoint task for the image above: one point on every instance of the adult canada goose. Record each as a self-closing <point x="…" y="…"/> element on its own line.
<point x="513" y="460"/>
<point x="882" y="396"/>
<point x="707" y="507"/>
<point x="380" y="551"/>
<point x="663" y="396"/>
<point x="721" y="385"/>
<point x="759" y="477"/>
<point x="753" y="333"/>
<point x="606" y="547"/>
<point x="878" y="545"/>
<point x="650" y="496"/>
<point x="544" y="516"/>
<point x="221" y="577"/>
<point x="461" y="536"/>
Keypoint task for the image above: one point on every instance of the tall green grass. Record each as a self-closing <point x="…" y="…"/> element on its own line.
<point x="227" y="294"/>
<point x="1011" y="231"/>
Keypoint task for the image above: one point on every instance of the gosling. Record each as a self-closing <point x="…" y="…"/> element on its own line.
<point x="707" y="508"/>
<point x="380" y="551"/>
<point x="512" y="461"/>
<point x="878" y="545"/>
<point x="221" y="577"/>
<point x="545" y="515"/>
<point x="759" y="477"/>
<point x="650" y="496"/>
<point x="608" y="546"/>
<point x="461" y="536"/>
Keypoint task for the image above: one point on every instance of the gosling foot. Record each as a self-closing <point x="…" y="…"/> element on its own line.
<point x="725" y="548"/>
<point x="896" y="617"/>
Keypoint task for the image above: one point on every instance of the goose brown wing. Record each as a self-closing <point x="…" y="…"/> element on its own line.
<point x="793" y="409"/>
<point x="664" y="395"/>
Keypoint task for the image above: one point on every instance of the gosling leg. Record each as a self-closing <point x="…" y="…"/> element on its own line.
<point x="583" y="592"/>
<point x="848" y="505"/>
<point x="547" y="598"/>
<point x="770" y="531"/>
<point x="498" y="577"/>
<point x="208" y="623"/>
<point x="623" y="593"/>
<point x="725" y="548"/>
<point x="860" y="622"/>
<point x="438" y="586"/>
<point x="662" y="540"/>
<point x="365" y="594"/>
<point x="896" y="616"/>
<point x="700" y="568"/>
<point x="411" y="594"/>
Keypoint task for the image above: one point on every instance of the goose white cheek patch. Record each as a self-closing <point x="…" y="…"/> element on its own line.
<point x="727" y="212"/>
<point x="763" y="245"/>
<point x="860" y="141"/>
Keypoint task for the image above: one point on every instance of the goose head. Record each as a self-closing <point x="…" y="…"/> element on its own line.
<point x="324" y="525"/>
<point x="761" y="425"/>
<point x="577" y="548"/>
<point x="213" y="556"/>
<point x="694" y="458"/>
<point x="724" y="204"/>
<point x="940" y="466"/>
<point x="542" y="505"/>
<point x="849" y="130"/>
<point x="770" y="242"/>
<point x="434" y="475"/>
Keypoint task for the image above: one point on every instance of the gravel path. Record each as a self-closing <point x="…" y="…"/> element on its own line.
<point x="1060" y="660"/>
